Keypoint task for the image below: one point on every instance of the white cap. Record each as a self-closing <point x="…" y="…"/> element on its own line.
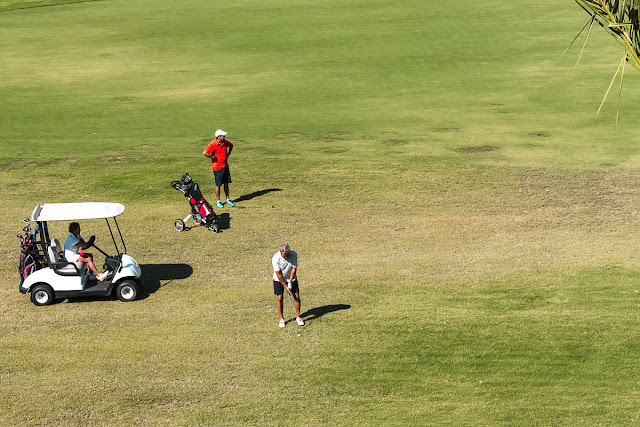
<point x="220" y="132"/>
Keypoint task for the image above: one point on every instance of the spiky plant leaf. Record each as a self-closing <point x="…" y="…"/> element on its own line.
<point x="620" y="18"/>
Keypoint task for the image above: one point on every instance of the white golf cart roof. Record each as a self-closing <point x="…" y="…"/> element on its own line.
<point x="76" y="211"/>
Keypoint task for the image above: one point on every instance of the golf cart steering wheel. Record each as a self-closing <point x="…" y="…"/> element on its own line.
<point x="90" y="241"/>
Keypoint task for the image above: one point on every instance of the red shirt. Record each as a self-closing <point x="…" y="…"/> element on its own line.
<point x="221" y="153"/>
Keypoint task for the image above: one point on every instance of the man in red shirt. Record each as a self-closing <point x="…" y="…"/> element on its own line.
<point x="219" y="151"/>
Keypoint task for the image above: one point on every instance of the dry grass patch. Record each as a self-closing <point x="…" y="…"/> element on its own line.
<point x="476" y="150"/>
<point x="288" y="135"/>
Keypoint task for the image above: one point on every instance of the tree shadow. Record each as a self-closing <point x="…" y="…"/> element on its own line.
<point x="316" y="312"/>
<point x="156" y="276"/>
<point x="256" y="194"/>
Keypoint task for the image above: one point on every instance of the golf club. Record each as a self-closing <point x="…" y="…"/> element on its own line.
<point x="291" y="310"/>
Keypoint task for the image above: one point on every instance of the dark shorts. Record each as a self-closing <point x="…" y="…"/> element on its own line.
<point x="222" y="176"/>
<point x="278" y="289"/>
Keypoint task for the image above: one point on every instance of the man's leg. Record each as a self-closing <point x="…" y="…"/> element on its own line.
<point x="279" y="305"/>
<point x="226" y="189"/>
<point x="218" y="193"/>
<point x="89" y="260"/>
<point x="296" y="302"/>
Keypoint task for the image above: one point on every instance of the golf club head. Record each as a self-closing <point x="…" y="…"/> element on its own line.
<point x="26" y="220"/>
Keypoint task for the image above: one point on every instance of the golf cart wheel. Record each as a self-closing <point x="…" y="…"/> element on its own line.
<point x="42" y="295"/>
<point x="213" y="228"/>
<point x="178" y="224"/>
<point x="127" y="291"/>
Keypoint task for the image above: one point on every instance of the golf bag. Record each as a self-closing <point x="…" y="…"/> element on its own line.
<point x="29" y="260"/>
<point x="201" y="210"/>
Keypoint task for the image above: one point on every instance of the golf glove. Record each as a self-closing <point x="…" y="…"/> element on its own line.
<point x="289" y="285"/>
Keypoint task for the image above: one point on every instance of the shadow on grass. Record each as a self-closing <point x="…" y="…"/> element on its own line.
<point x="223" y="221"/>
<point x="314" y="313"/>
<point x="256" y="194"/>
<point x="156" y="276"/>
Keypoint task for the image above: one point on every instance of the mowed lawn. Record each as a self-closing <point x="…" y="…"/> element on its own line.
<point x="466" y="225"/>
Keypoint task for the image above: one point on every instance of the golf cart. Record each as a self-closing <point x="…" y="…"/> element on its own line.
<point x="59" y="278"/>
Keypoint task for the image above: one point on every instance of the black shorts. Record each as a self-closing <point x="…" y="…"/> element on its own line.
<point x="222" y="176"/>
<point x="278" y="289"/>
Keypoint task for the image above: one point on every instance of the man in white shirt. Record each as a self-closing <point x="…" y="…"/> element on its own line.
<point x="74" y="248"/>
<point x="285" y="266"/>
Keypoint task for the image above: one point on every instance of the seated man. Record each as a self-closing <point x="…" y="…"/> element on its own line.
<point x="74" y="250"/>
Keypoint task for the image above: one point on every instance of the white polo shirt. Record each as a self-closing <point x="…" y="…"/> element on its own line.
<point x="71" y="251"/>
<point x="285" y="265"/>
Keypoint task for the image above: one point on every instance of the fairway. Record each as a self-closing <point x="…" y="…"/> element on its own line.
<point x="466" y="227"/>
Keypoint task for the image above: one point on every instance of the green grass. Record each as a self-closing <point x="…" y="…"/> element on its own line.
<point x="7" y="5"/>
<point x="466" y="225"/>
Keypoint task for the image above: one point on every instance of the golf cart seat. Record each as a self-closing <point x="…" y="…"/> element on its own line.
<point x="60" y="265"/>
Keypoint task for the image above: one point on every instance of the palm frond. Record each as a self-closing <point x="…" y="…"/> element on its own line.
<point x="621" y="19"/>
<point x="621" y="65"/>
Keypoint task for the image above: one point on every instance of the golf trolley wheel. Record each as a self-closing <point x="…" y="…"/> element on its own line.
<point x="213" y="228"/>
<point x="197" y="219"/>
<point x="127" y="291"/>
<point x="178" y="224"/>
<point x="42" y="295"/>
